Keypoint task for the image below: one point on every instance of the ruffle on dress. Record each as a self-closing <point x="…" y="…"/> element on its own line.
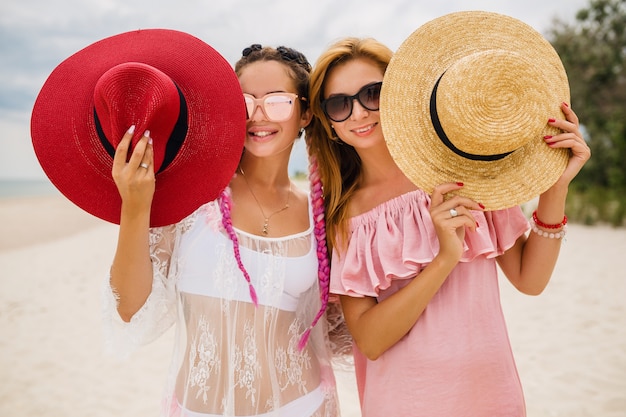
<point x="397" y="239"/>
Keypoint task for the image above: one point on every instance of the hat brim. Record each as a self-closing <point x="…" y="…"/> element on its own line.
<point x="406" y="121"/>
<point x="72" y="155"/>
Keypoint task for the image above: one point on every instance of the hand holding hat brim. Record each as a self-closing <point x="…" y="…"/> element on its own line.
<point x="197" y="124"/>
<point x="467" y="97"/>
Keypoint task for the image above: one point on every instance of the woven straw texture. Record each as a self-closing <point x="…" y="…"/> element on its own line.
<point x="72" y="155"/>
<point x="498" y="81"/>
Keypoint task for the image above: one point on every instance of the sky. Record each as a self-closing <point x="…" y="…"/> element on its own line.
<point x="37" y="35"/>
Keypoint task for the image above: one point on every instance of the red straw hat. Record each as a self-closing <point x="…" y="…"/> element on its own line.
<point x="166" y="81"/>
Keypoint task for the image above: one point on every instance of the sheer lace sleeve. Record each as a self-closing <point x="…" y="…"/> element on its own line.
<point x="159" y="311"/>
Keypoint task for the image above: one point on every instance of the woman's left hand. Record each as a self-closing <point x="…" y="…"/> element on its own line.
<point x="571" y="138"/>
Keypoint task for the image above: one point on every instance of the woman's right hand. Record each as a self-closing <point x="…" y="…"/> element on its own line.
<point x="377" y="325"/>
<point x="451" y="217"/>
<point x="131" y="271"/>
<point x="134" y="179"/>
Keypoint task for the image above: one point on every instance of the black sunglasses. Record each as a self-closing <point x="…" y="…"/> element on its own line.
<point x="338" y="108"/>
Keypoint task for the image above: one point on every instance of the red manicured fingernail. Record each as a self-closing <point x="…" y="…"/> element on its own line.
<point x="547" y="137"/>
<point x="551" y="120"/>
<point x="477" y="225"/>
<point x="460" y="184"/>
<point x="481" y="206"/>
<point x="565" y="104"/>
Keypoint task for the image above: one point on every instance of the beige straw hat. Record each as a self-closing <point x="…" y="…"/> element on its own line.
<point x="467" y="98"/>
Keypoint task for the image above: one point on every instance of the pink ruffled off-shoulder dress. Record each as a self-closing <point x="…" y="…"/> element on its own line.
<point x="457" y="359"/>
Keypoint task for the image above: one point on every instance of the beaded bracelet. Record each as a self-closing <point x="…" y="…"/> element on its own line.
<point x="552" y="235"/>
<point x="548" y="226"/>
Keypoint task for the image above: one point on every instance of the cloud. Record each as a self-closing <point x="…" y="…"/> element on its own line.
<point x="36" y="35"/>
<point x="17" y="158"/>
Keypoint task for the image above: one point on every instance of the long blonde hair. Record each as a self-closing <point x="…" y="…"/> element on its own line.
<point x="339" y="163"/>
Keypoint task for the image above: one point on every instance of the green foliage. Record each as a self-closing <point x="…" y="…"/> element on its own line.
<point x="596" y="205"/>
<point x="593" y="51"/>
<point x="299" y="175"/>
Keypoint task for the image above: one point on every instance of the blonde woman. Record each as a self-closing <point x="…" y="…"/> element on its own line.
<point x="416" y="273"/>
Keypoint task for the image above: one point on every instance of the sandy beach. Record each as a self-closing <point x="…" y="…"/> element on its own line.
<point x="570" y="342"/>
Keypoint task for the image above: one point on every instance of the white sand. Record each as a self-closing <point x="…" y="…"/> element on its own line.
<point x="570" y="342"/>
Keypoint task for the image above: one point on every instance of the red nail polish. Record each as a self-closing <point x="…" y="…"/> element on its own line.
<point x="481" y="206"/>
<point x="460" y="184"/>
<point x="477" y="225"/>
<point x="547" y="137"/>
<point x="565" y="104"/>
<point x="551" y="120"/>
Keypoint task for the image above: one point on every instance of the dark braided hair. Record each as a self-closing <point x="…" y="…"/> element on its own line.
<point x="300" y="70"/>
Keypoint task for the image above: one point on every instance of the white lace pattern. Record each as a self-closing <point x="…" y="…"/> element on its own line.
<point x="231" y="358"/>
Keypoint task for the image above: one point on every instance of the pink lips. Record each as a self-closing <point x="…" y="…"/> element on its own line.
<point x="261" y="135"/>
<point x="364" y="130"/>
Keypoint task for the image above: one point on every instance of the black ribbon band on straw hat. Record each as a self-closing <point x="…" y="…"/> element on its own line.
<point x="167" y="81"/>
<point x="174" y="142"/>
<point x="502" y="82"/>
<point x="444" y="138"/>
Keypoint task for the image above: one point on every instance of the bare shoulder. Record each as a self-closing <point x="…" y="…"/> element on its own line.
<point x="372" y="195"/>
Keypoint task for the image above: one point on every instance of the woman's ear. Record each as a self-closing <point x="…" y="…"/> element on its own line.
<point x="306" y="117"/>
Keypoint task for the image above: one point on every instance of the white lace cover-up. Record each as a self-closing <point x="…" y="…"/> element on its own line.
<point x="232" y="358"/>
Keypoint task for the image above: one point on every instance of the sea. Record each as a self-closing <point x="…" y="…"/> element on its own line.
<point x="298" y="167"/>
<point x="26" y="188"/>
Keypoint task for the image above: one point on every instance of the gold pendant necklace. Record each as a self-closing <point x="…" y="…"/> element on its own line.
<point x="266" y="219"/>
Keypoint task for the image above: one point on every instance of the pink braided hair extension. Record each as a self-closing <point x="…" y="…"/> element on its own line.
<point x="323" y="269"/>
<point x="225" y="203"/>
